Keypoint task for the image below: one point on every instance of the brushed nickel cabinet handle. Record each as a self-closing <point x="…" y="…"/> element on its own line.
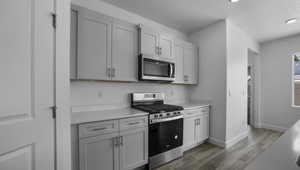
<point x="99" y="129"/>
<point x="121" y="140"/>
<point x="134" y="123"/>
<point x="116" y="141"/>
<point x="108" y="72"/>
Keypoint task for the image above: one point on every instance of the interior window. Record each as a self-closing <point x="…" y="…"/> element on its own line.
<point x="296" y="79"/>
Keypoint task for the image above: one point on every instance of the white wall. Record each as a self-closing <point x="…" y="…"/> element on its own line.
<point x="87" y="95"/>
<point x="212" y="75"/>
<point x="276" y="63"/>
<point x="92" y="94"/>
<point x="238" y="44"/>
<point x="223" y="60"/>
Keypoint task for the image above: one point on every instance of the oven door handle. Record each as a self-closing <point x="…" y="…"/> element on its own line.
<point x="167" y="119"/>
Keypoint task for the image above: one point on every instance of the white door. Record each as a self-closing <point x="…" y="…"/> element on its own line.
<point x="179" y="60"/>
<point x="149" y="40"/>
<point x="190" y="64"/>
<point x="189" y="132"/>
<point x="26" y="88"/>
<point x="94" y="45"/>
<point x="125" y="51"/>
<point x="166" y="47"/>
<point x="133" y="148"/>
<point x="99" y="153"/>
<point x="73" y="45"/>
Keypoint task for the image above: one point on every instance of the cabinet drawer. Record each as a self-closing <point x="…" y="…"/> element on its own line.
<point x="196" y="112"/>
<point x="130" y="123"/>
<point x="98" y="128"/>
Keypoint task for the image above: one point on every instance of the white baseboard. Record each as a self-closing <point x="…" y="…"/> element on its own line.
<point x="236" y="139"/>
<point x="217" y="142"/>
<point x="229" y="143"/>
<point x="186" y="148"/>
<point x="273" y="127"/>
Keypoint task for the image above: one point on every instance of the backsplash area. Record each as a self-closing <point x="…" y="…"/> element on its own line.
<point x="92" y="95"/>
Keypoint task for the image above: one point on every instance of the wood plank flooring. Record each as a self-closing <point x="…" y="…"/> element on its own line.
<point x="237" y="157"/>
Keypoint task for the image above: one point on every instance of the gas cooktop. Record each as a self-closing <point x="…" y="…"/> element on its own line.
<point x="158" y="108"/>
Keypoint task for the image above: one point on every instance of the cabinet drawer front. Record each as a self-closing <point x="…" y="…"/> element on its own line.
<point x="130" y="123"/>
<point x="196" y="112"/>
<point x="98" y="128"/>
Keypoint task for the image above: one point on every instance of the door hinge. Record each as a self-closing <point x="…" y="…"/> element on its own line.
<point x="53" y="19"/>
<point x="54" y="109"/>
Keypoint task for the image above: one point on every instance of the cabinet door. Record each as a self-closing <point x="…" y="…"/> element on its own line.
<point x="166" y="47"/>
<point x="198" y="130"/>
<point x="190" y="64"/>
<point x="149" y="39"/>
<point x="125" y="51"/>
<point x="179" y="57"/>
<point x="204" y="127"/>
<point x="99" y="153"/>
<point x="133" y="148"/>
<point x="189" y="132"/>
<point x="73" y="45"/>
<point x="94" y="45"/>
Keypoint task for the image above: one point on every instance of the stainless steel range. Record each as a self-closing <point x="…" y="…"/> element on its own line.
<point x="165" y="127"/>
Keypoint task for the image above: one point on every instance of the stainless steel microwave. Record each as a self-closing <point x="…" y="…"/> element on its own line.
<point x="153" y="69"/>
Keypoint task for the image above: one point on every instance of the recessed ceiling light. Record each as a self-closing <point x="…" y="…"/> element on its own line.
<point x="233" y="1"/>
<point x="291" y="21"/>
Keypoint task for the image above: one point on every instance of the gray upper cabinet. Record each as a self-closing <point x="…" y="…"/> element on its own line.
<point x="124" y="51"/>
<point x="190" y="64"/>
<point x="179" y="60"/>
<point x="107" y="48"/>
<point x="149" y="41"/>
<point x="155" y="44"/>
<point x="166" y="46"/>
<point x="186" y="63"/>
<point x="94" y="45"/>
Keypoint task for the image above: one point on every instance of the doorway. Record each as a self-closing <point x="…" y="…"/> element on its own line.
<point x="253" y="89"/>
<point x="250" y="96"/>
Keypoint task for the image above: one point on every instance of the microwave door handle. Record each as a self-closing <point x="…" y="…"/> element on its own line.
<point x="171" y="70"/>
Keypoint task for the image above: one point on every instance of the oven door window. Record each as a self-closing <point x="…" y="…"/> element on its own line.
<point x="165" y="136"/>
<point x="156" y="68"/>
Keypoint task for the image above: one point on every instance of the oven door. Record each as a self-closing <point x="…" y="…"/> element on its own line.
<point x="164" y="136"/>
<point x="156" y="70"/>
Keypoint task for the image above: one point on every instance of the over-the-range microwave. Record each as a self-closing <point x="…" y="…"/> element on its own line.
<point x="154" y="69"/>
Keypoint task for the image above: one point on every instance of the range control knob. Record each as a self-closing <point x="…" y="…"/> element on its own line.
<point x="160" y="115"/>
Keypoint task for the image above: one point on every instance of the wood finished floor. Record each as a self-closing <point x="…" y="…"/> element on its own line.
<point x="237" y="157"/>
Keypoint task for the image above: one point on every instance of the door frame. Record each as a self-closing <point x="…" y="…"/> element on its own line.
<point x="62" y="85"/>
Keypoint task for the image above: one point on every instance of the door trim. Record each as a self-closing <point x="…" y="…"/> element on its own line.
<point x="62" y="85"/>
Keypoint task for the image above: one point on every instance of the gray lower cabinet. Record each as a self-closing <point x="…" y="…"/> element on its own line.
<point x="196" y="127"/>
<point x="99" y="152"/>
<point x="134" y="148"/>
<point x="111" y="145"/>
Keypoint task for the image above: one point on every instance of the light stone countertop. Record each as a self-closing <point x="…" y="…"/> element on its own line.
<point x="282" y="155"/>
<point x="82" y="116"/>
<point x="102" y="115"/>
<point x="193" y="105"/>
